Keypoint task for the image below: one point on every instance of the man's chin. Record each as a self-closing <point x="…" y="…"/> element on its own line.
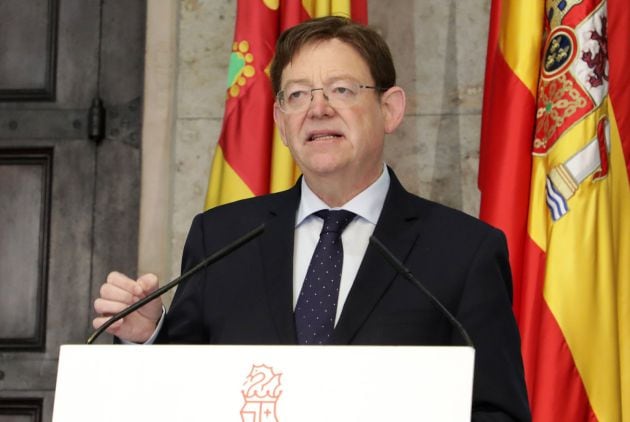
<point x="325" y="169"/>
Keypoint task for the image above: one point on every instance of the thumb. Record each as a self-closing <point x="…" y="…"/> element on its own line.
<point x="152" y="310"/>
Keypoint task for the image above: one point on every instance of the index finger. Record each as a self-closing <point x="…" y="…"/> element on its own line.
<point x="123" y="282"/>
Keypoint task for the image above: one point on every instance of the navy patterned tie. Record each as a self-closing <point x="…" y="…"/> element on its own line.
<point x="317" y="305"/>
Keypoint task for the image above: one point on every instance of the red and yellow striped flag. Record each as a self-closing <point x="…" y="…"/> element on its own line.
<point x="250" y="159"/>
<point x="554" y="175"/>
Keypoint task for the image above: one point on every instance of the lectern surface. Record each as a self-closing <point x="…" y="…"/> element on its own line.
<point x="263" y="383"/>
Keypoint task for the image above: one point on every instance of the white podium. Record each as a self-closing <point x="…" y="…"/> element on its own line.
<point x="263" y="383"/>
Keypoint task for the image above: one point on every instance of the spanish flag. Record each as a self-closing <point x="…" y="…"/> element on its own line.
<point x="554" y="176"/>
<point x="250" y="158"/>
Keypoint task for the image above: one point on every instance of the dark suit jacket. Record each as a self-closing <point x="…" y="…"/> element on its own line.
<point x="247" y="297"/>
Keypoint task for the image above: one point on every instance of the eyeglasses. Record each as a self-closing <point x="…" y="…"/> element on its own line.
<point x="339" y="94"/>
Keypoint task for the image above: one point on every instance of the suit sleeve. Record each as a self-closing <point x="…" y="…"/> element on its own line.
<point x="184" y="320"/>
<point x="485" y="310"/>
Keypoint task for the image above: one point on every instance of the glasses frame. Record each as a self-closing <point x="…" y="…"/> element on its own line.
<point x="282" y="103"/>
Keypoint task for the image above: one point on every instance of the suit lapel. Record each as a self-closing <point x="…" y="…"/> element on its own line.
<point x="397" y="229"/>
<point x="276" y="248"/>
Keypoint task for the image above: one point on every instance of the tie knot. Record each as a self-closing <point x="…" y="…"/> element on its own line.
<point x="335" y="221"/>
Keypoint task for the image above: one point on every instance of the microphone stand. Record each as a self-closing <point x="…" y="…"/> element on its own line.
<point x="394" y="262"/>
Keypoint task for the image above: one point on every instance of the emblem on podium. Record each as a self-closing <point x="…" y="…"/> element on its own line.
<point x="261" y="391"/>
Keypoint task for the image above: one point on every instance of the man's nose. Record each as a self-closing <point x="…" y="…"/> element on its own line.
<point x="319" y="105"/>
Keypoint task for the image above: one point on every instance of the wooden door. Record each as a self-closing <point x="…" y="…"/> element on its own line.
<point x="70" y="106"/>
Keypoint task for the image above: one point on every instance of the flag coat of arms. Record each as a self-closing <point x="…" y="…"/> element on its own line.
<point x="554" y="175"/>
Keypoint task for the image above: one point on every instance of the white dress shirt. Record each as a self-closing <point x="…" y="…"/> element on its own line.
<point x="367" y="205"/>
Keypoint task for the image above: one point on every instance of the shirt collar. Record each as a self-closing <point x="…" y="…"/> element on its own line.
<point x="368" y="204"/>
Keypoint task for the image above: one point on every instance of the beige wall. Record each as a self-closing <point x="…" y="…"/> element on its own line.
<point x="439" y="50"/>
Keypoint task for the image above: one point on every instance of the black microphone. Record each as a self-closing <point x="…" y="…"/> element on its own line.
<point x="159" y="292"/>
<point x="409" y="276"/>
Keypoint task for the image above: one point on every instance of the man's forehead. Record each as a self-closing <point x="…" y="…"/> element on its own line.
<point x="311" y="47"/>
<point x="305" y="63"/>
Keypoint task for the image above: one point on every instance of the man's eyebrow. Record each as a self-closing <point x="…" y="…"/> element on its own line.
<point x="333" y="78"/>
<point x="302" y="81"/>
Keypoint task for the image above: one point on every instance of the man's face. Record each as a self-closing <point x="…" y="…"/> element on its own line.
<point x="326" y="141"/>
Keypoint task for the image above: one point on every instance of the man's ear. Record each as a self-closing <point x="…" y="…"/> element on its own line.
<point x="278" y="118"/>
<point x="393" y="103"/>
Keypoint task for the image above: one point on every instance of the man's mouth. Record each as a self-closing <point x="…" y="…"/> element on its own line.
<point x="324" y="136"/>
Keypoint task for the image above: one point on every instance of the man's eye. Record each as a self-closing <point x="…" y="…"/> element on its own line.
<point x="342" y="90"/>
<point x="296" y="95"/>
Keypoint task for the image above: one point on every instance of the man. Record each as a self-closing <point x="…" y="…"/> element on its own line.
<point x="336" y="99"/>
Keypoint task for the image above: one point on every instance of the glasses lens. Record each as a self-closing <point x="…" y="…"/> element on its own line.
<point x="294" y="98"/>
<point x="342" y="94"/>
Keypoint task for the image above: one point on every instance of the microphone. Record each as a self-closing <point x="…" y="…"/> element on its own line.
<point x="394" y="262"/>
<point x="159" y="292"/>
